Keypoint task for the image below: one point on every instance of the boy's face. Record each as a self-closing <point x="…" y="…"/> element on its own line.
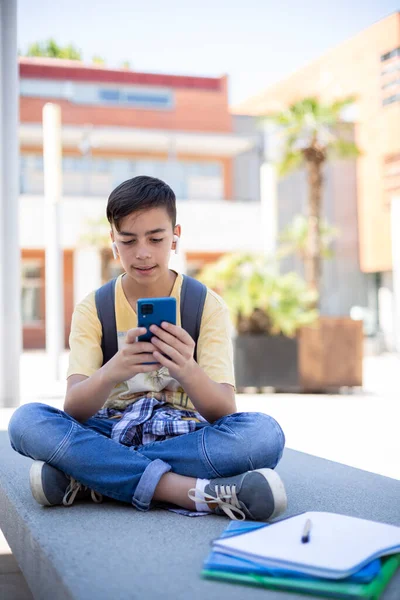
<point x="144" y="244"/>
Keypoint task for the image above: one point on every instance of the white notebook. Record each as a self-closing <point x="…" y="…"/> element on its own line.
<point x="338" y="545"/>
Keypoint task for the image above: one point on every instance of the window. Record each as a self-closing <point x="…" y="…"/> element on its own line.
<point x="138" y="98"/>
<point x="204" y="169"/>
<point x="95" y="176"/>
<point x="109" y="96"/>
<point x="204" y="180"/>
<point x="32" y="285"/>
<point x="390" y="69"/>
<point x="39" y="88"/>
<point x="143" y="99"/>
<point x="391" y="99"/>
<point x="391" y="54"/>
<point x="391" y="83"/>
<point x="101" y="165"/>
<point x="73" y="163"/>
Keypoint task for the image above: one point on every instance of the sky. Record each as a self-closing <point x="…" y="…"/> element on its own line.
<point x="255" y="42"/>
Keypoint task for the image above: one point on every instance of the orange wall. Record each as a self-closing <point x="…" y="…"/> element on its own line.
<point x="355" y="68"/>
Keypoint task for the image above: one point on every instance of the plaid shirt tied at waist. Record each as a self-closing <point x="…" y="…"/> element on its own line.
<point x="149" y="420"/>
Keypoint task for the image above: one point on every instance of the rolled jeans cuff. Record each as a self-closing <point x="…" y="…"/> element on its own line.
<point x="148" y="482"/>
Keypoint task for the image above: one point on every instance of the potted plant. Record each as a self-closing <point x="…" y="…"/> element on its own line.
<point x="267" y="310"/>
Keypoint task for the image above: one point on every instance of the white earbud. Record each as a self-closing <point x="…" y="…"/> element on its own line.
<point x="176" y="240"/>
<point x="114" y="250"/>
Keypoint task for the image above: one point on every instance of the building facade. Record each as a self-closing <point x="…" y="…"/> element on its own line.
<point x="367" y="66"/>
<point x="117" y="124"/>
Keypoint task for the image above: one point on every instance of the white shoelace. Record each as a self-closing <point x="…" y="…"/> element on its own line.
<point x="225" y="498"/>
<point x="73" y="488"/>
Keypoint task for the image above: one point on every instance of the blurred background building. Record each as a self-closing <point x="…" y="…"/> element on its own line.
<point x="122" y="123"/>
<point x="359" y="195"/>
<point x="117" y="124"/>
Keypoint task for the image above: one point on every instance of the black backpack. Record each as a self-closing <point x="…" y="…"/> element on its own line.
<point x="193" y="296"/>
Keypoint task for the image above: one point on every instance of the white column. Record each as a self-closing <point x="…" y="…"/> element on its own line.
<point x="10" y="268"/>
<point x="269" y="189"/>
<point x="269" y="212"/>
<point x="395" y="222"/>
<point x="87" y="272"/>
<point x="54" y="254"/>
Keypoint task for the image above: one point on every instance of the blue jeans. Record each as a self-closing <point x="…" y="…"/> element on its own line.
<point x="231" y="445"/>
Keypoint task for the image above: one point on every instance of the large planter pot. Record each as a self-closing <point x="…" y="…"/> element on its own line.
<point x="266" y="361"/>
<point x="331" y="354"/>
<point x="324" y="357"/>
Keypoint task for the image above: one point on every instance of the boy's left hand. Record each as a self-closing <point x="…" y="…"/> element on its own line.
<point x="178" y="346"/>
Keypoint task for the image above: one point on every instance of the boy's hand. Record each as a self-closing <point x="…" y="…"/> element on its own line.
<point x="128" y="361"/>
<point x="178" y="346"/>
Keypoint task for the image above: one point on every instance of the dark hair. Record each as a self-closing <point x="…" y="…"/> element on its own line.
<point x="137" y="194"/>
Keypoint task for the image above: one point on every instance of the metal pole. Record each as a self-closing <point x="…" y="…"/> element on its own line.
<point x="395" y="221"/>
<point x="54" y="254"/>
<point x="10" y="268"/>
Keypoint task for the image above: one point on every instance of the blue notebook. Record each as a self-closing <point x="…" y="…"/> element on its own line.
<point x="339" y="547"/>
<point x="234" y="564"/>
<point x="343" y="589"/>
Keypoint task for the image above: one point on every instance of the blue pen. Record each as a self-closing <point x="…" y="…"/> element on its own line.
<point x="306" y="532"/>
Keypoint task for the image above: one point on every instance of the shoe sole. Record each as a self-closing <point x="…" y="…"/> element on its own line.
<point x="277" y="489"/>
<point x="35" y="480"/>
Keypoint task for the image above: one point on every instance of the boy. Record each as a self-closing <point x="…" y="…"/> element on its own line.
<point x="163" y="432"/>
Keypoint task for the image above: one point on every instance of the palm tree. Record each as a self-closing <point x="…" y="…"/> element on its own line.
<point x="294" y="238"/>
<point x="313" y="133"/>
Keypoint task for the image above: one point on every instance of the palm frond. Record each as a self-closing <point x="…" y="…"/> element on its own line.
<point x="294" y="238"/>
<point x="341" y="148"/>
<point x="261" y="300"/>
<point x="310" y="122"/>
<point x="291" y="161"/>
<point x="338" y="105"/>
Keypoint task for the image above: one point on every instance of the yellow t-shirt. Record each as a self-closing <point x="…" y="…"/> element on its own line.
<point x="214" y="348"/>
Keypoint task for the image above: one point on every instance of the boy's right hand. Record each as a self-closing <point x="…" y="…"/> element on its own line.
<point x="130" y="359"/>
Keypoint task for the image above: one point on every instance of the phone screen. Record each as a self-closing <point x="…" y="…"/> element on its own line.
<point x="154" y="311"/>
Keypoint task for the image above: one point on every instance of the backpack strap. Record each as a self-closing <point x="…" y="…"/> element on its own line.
<point x="105" y="304"/>
<point x="193" y="297"/>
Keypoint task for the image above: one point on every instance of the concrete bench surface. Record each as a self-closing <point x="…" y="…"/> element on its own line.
<point x="111" y="551"/>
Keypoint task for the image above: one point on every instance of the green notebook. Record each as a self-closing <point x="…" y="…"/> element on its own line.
<point x="317" y="587"/>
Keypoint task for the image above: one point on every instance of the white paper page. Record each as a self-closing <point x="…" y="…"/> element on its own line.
<point x="338" y="544"/>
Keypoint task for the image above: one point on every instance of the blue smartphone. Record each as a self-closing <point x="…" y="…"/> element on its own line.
<point x="154" y="311"/>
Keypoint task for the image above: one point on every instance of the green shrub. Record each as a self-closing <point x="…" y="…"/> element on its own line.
<point x="260" y="300"/>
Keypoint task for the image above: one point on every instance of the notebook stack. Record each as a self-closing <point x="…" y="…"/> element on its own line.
<point x="341" y="556"/>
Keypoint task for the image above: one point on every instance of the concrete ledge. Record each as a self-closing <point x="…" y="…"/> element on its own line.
<point x="112" y="551"/>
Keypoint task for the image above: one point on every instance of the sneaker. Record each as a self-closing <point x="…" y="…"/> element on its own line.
<point x="50" y="486"/>
<point x="257" y="495"/>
